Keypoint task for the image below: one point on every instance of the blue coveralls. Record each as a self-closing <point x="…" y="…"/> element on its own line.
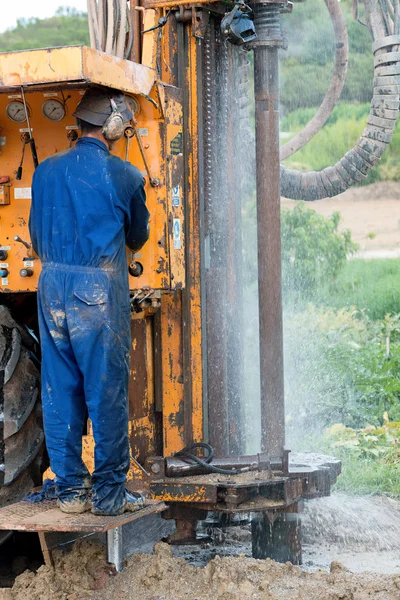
<point x="86" y="205"/>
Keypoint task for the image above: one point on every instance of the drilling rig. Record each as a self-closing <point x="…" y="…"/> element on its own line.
<point x="184" y="69"/>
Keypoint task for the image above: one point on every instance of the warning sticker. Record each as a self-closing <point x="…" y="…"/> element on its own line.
<point x="23" y="193"/>
<point x="176" y="146"/>
<point x="176" y="195"/>
<point x="177" y="234"/>
<point x="4" y="281"/>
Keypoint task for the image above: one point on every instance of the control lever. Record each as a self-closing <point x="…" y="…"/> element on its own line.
<point x="18" y="239"/>
<point x="31" y="141"/>
<point x="31" y="253"/>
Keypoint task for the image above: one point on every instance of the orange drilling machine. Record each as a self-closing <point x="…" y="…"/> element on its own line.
<point x="185" y="70"/>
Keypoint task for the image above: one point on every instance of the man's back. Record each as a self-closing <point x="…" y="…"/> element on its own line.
<point x="83" y="207"/>
<point x="86" y="206"/>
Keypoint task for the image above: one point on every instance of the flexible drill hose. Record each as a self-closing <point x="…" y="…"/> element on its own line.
<point x="384" y="110"/>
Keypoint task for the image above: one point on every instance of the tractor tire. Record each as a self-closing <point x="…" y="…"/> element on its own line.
<point x="21" y="430"/>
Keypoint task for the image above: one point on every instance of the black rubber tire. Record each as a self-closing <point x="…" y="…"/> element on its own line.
<point x="21" y="429"/>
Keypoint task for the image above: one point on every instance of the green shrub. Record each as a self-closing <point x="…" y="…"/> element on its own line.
<point x="340" y="367"/>
<point x="313" y="250"/>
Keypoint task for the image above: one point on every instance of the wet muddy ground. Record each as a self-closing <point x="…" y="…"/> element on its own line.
<point x="361" y="533"/>
<point x="343" y="536"/>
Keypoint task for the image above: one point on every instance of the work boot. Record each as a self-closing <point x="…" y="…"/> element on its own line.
<point x="75" y="505"/>
<point x="133" y="502"/>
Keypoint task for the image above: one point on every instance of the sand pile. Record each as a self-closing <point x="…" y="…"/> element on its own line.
<point x="84" y="574"/>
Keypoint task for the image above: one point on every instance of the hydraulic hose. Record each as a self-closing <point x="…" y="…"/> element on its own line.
<point x="110" y="27"/>
<point x="336" y="86"/>
<point x="187" y="454"/>
<point x="384" y="110"/>
<point x="122" y="29"/>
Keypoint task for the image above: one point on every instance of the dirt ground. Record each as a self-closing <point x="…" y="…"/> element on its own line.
<point x="364" y="533"/>
<point x="372" y="213"/>
<point x="85" y="575"/>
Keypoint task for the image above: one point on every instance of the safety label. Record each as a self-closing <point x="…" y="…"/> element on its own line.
<point x="26" y="130"/>
<point x="23" y="193"/>
<point x="3" y="265"/>
<point x="29" y="263"/>
<point x="177" y="234"/>
<point x="176" y="145"/>
<point x="5" y="247"/>
<point x="143" y="131"/>
<point x="15" y="96"/>
<point x="4" y="281"/>
<point x="176" y="195"/>
<point x="3" y="140"/>
<point x="50" y="94"/>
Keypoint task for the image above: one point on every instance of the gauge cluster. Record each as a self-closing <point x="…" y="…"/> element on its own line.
<point x="53" y="109"/>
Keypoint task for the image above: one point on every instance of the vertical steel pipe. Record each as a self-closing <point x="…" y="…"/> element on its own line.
<point x="266" y="88"/>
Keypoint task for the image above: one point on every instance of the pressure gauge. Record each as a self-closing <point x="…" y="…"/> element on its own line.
<point x="16" y="111"/>
<point x="53" y="110"/>
<point x="133" y="104"/>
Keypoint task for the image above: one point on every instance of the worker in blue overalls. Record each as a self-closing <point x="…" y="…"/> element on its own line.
<point x="86" y="206"/>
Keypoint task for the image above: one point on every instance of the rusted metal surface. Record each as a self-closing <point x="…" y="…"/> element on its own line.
<point x="266" y="88"/>
<point x="74" y="64"/>
<point x="45" y="516"/>
<point x="318" y="471"/>
<point x="169" y="358"/>
<point x="310" y="476"/>
<point x="256" y="495"/>
<point x="190" y="68"/>
<point x="145" y="434"/>
<point x="171" y="98"/>
<point x="136" y="22"/>
<point x="181" y="491"/>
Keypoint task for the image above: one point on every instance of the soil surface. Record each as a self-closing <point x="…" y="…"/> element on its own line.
<point x="84" y="574"/>
<point x="371" y="212"/>
<point x="343" y="535"/>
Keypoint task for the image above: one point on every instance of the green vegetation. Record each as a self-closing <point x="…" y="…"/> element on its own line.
<point x="369" y="285"/>
<point x="67" y="28"/>
<point x="342" y="352"/>
<point x="307" y="64"/>
<point x="313" y="250"/>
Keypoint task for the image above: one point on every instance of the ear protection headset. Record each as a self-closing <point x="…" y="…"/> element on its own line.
<point x="113" y="128"/>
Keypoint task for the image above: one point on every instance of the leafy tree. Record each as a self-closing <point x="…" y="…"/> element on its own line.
<point x="313" y="250"/>
<point x="67" y="28"/>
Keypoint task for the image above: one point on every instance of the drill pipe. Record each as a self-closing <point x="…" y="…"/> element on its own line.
<point x="266" y="89"/>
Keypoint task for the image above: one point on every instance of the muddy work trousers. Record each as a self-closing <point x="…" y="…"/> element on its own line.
<point x="85" y="338"/>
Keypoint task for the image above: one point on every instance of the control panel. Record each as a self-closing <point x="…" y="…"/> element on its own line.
<point x="37" y="122"/>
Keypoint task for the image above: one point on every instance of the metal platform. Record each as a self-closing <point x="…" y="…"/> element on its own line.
<point x="44" y="517"/>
